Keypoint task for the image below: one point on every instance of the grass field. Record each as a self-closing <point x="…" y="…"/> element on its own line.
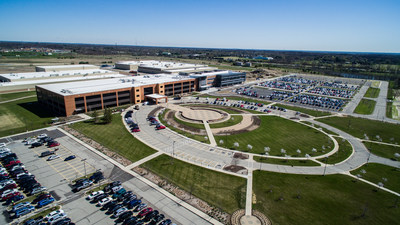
<point x="115" y="137"/>
<point x="179" y="131"/>
<point x="304" y="110"/>
<point x="386" y="151"/>
<point x="324" y="129"/>
<point x="372" y="92"/>
<point x="285" y="162"/>
<point x="194" y="125"/>
<point x="321" y="200"/>
<point x="387" y="175"/>
<point x="11" y="96"/>
<point x="372" y="128"/>
<point x="389" y="110"/>
<point x="228" y="67"/>
<point x="219" y="189"/>
<point x="345" y="150"/>
<point x="235" y="119"/>
<point x="365" y="107"/>
<point x="22" y="115"/>
<point x="278" y="133"/>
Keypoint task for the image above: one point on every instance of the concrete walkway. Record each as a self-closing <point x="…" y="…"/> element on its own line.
<point x="249" y="190"/>
<point x="209" y="133"/>
<point x="148" y="158"/>
<point x="351" y="106"/>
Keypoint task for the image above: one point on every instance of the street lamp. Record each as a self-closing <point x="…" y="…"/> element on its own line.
<point x="84" y="165"/>
<point x="326" y="162"/>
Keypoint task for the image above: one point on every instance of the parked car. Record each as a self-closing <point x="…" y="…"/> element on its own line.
<point x="20" y="206"/>
<point x="120" y="211"/>
<point x="125" y="215"/>
<point x="53" y="157"/>
<point x="135" y="130"/>
<point x="14" y="199"/>
<point x="99" y="197"/>
<point x="53" y="214"/>
<point x="166" y="222"/>
<point x="111" y="185"/>
<point x="41" y="197"/>
<point x="56" y="218"/>
<point x="140" y="207"/>
<point x="45" y="202"/>
<point x="63" y="221"/>
<point x="36" y="144"/>
<point x="132" y="204"/>
<point x="160" y="127"/>
<point x="10" y="195"/>
<point x="42" y="136"/>
<point x="46" y="153"/>
<point x="144" y="212"/>
<point x="94" y="194"/>
<point x="84" y="185"/>
<point x="24" y="211"/>
<point x="37" y="190"/>
<point x="97" y="176"/>
<point x="53" y="144"/>
<point x="71" y="157"/>
<point x="104" y="201"/>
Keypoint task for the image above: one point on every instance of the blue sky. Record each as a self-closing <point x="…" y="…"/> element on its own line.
<point x="363" y="26"/>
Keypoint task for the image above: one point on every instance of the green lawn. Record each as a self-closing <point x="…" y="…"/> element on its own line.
<point x="225" y="191"/>
<point x="226" y="109"/>
<point x="324" y="129"/>
<point x="387" y="175"/>
<point x="285" y="162"/>
<point x="304" y="110"/>
<point x="189" y="124"/>
<point x="228" y="67"/>
<point x="345" y="150"/>
<point x="386" y="151"/>
<point x="22" y="115"/>
<point x="235" y="119"/>
<point x="115" y="137"/>
<point x="321" y="200"/>
<point x="359" y="126"/>
<point x="372" y="92"/>
<point x="365" y="107"/>
<point x="278" y="133"/>
<point x="10" y="96"/>
<point x="179" y="131"/>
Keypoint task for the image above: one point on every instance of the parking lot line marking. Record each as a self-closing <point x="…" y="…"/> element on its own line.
<point x="51" y="165"/>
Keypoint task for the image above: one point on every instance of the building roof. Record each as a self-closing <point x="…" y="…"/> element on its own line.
<point x="212" y="73"/>
<point x="156" y="96"/>
<point x="57" y="74"/>
<point x="164" y="65"/>
<point x="66" y="66"/>
<point x="74" y="88"/>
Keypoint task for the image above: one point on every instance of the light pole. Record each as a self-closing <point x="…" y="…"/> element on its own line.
<point x="369" y="155"/>
<point x="326" y="162"/>
<point x="84" y="165"/>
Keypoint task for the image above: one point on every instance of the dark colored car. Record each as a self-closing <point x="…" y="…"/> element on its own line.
<point x="45" y="202"/>
<point x="150" y="215"/>
<point x="37" y="144"/>
<point x="131" y="220"/>
<point x="71" y="157"/>
<point x="144" y="212"/>
<point x="46" y="153"/>
<point x="40" y="197"/>
<point x="14" y="199"/>
<point x="110" y="205"/>
<point x="99" y="197"/>
<point x="63" y="221"/>
<point x="53" y="144"/>
<point x="115" y="208"/>
<point x="109" y="186"/>
<point x="166" y="222"/>
<point x="125" y="215"/>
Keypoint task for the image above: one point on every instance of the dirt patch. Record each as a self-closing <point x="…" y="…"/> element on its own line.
<point x="234" y="168"/>
<point x="97" y="146"/>
<point x="304" y="115"/>
<point x="184" y="195"/>
<point x="238" y="155"/>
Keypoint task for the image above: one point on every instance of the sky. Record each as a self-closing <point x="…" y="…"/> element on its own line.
<point x="324" y="25"/>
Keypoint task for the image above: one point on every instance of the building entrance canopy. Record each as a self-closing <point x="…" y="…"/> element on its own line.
<point x="156" y="98"/>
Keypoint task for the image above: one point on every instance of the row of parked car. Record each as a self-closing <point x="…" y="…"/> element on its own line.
<point x="153" y="121"/>
<point x="56" y="217"/>
<point x="125" y="206"/>
<point x="16" y="182"/>
<point x="41" y="140"/>
<point x="87" y="182"/>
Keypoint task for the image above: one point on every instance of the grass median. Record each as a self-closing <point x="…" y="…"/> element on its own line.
<point x="304" y="110"/>
<point x="365" y="107"/>
<point x="278" y="133"/>
<point x="372" y="92"/>
<point x="285" y="162"/>
<point x="222" y="190"/>
<point x="344" y="151"/>
<point x="322" y="200"/>
<point x="115" y="137"/>
<point x="375" y="130"/>
<point x="378" y="173"/>
<point x="382" y="150"/>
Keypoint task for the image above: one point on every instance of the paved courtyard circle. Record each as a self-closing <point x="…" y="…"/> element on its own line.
<point x="249" y="220"/>
<point x="202" y="114"/>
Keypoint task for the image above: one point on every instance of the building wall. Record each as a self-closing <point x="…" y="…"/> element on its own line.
<point x="126" y="66"/>
<point x="223" y="80"/>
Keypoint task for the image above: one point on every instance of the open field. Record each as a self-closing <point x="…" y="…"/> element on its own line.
<point x="304" y="110"/>
<point x="11" y="96"/>
<point x="372" y="128"/>
<point x="278" y="133"/>
<point x="316" y="126"/>
<point x="382" y="150"/>
<point x="378" y="173"/>
<point x="345" y="150"/>
<point x="285" y="162"/>
<point x="115" y="137"/>
<point x="372" y="92"/>
<point x="312" y="199"/>
<point x="189" y="124"/>
<point x="22" y="115"/>
<point x="219" y="189"/>
<point x="365" y="107"/>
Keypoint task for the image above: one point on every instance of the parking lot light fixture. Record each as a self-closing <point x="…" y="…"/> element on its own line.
<point x="84" y="165"/>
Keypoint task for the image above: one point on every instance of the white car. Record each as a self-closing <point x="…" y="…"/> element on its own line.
<point x="120" y="211"/>
<point x="2" y="145"/>
<point x="22" y="174"/>
<point x="53" y="157"/>
<point x="94" y="194"/>
<point x="52" y="214"/>
<point x="7" y="183"/>
<point x="56" y="218"/>
<point x="30" y="142"/>
<point x="104" y="201"/>
<point x="42" y="136"/>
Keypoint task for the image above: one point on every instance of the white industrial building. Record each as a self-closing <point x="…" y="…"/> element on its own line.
<point x="155" y="67"/>
<point x="65" y="67"/>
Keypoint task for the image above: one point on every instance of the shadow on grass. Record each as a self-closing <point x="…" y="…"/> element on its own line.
<point x="37" y="109"/>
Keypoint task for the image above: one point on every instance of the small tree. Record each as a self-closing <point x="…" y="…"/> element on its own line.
<point x="95" y="116"/>
<point x="283" y="151"/>
<point x="236" y="145"/>
<point x="397" y="155"/>
<point x="249" y="147"/>
<point x="107" y="117"/>
<point x="298" y="151"/>
<point x="221" y="142"/>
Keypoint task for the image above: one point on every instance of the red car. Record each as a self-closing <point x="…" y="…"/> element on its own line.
<point x="8" y="186"/>
<point x="54" y="144"/>
<point x="12" y="163"/>
<point x="160" y="127"/>
<point x="145" y="212"/>
<point x="135" y="130"/>
<point x="10" y="195"/>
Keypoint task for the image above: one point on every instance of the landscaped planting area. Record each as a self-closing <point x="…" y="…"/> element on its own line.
<point x="386" y="151"/>
<point x="331" y="199"/>
<point x="277" y="134"/>
<point x="344" y="151"/>
<point x="375" y="130"/>
<point x="115" y="137"/>
<point x="285" y="162"/>
<point x="372" y="92"/>
<point x="219" y="189"/>
<point x="304" y="110"/>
